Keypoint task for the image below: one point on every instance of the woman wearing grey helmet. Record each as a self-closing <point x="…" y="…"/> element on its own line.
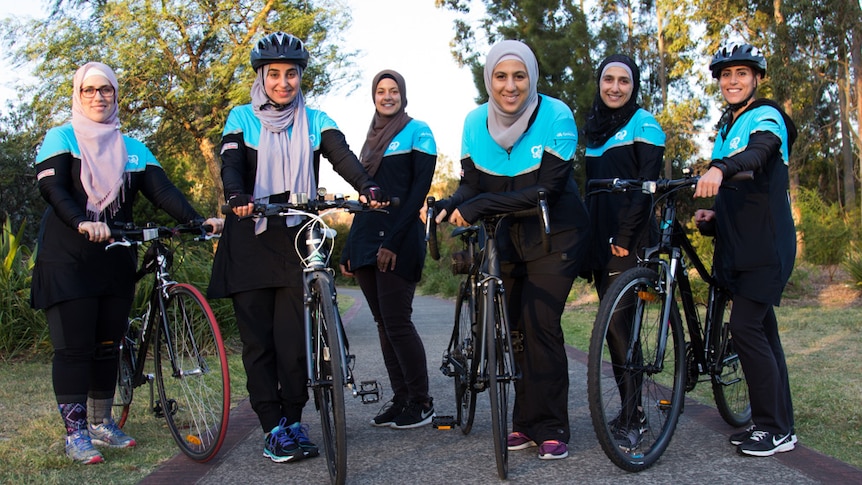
<point x="755" y="239"/>
<point x="270" y="149"/>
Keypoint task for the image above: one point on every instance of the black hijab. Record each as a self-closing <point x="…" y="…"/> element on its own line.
<point x="603" y="122"/>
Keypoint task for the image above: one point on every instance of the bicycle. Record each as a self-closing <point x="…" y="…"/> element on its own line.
<point x="636" y="391"/>
<point x="329" y="364"/>
<point x="480" y="354"/>
<point x="190" y="364"/>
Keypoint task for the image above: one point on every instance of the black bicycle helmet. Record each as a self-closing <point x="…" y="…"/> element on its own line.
<point x="737" y="55"/>
<point x="279" y="47"/>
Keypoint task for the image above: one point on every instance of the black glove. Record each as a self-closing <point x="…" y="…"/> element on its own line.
<point x="239" y="200"/>
<point x="374" y="194"/>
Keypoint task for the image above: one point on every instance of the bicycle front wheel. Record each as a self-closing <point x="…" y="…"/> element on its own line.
<point x="192" y="374"/>
<point x="329" y="378"/>
<point x="728" y="381"/>
<point x="635" y="377"/>
<point x="463" y="356"/>
<point x="499" y="376"/>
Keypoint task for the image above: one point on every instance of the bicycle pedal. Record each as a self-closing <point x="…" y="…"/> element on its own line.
<point x="443" y="422"/>
<point x="369" y="391"/>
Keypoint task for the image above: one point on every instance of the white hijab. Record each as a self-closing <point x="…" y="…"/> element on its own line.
<point x="506" y="128"/>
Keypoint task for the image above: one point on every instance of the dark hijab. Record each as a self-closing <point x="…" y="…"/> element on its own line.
<point x="383" y="128"/>
<point x="603" y="122"/>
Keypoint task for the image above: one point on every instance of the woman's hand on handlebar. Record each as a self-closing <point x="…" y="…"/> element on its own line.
<point x="709" y="183"/>
<point x="95" y="231"/>
<point x="216" y="223"/>
<point x="456" y="218"/>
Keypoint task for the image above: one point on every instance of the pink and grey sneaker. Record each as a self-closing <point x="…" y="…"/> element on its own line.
<point x="553" y="450"/>
<point x="519" y="441"/>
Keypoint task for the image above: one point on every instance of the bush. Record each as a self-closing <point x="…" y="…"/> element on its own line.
<point x="22" y="330"/>
<point x="825" y="231"/>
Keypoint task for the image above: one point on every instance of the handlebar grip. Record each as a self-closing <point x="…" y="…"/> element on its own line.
<point x="431" y="230"/>
<point x="226" y="209"/>
<point x="395" y="201"/>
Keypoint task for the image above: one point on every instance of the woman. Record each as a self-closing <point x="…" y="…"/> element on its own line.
<point x="755" y="239"/>
<point x="90" y="174"/>
<point x="386" y="252"/>
<point x="514" y="145"/>
<point x="270" y="149"/>
<point x="623" y="141"/>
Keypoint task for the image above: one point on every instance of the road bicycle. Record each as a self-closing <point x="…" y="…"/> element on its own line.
<point x="329" y="363"/>
<point x="480" y="354"/>
<point x="640" y="364"/>
<point x="190" y="364"/>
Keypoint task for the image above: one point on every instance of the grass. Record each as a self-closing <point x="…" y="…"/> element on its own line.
<point x="823" y="347"/>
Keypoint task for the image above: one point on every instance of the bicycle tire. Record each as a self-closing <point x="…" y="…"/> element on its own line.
<point x="192" y="374"/>
<point x="329" y="387"/>
<point x="729" y="386"/>
<point x="498" y="381"/>
<point x="125" y="390"/>
<point x="463" y="354"/>
<point x="636" y="436"/>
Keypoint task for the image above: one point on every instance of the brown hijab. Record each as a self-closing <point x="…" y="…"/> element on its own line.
<point x="383" y="128"/>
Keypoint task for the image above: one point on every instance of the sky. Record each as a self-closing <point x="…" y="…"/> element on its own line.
<point x="409" y="36"/>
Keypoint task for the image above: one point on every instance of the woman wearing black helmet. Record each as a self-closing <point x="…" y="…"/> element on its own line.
<point x="755" y="239"/>
<point x="270" y="149"/>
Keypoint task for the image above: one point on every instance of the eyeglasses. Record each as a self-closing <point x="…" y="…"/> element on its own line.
<point x="90" y="92"/>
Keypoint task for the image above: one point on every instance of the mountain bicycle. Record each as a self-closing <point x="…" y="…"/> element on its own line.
<point x="640" y="365"/>
<point x="480" y="354"/>
<point x="191" y="369"/>
<point x="329" y="363"/>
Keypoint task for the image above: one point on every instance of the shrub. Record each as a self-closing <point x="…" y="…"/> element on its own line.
<point x="22" y="330"/>
<point x="824" y="229"/>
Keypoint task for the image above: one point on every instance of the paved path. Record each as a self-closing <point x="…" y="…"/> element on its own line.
<point x="699" y="452"/>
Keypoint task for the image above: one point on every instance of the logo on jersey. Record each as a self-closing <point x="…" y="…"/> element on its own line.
<point x="734" y="143"/>
<point x="621" y="135"/>
<point x="394" y="145"/>
<point x="49" y="172"/>
<point x="229" y="146"/>
<point x="536" y="151"/>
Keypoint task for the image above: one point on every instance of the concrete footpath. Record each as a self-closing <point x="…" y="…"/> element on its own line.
<point x="699" y="452"/>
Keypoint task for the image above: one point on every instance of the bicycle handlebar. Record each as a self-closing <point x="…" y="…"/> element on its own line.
<point x="131" y="234"/>
<point x="617" y="185"/>
<point x="431" y="229"/>
<point x="302" y="204"/>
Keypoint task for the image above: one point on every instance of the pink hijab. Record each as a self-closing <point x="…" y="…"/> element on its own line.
<point x="103" y="151"/>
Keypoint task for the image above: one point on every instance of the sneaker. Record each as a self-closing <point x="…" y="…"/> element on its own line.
<point x="388" y="413"/>
<point x="415" y="415"/>
<point x="553" y="450"/>
<point x="110" y="435"/>
<point x="80" y="448"/>
<point x="628" y="436"/>
<point x="519" y="441"/>
<point x="299" y="434"/>
<point x="737" y="439"/>
<point x="764" y="443"/>
<point x="278" y="445"/>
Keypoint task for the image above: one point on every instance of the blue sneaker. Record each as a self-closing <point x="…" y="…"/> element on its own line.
<point x="299" y="434"/>
<point x="80" y="448"/>
<point x="110" y="435"/>
<point x="279" y="446"/>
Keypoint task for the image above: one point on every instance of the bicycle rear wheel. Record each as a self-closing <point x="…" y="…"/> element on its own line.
<point x="499" y="376"/>
<point x="192" y="374"/>
<point x="462" y="354"/>
<point x="635" y="389"/>
<point x="728" y="381"/>
<point x="329" y="378"/>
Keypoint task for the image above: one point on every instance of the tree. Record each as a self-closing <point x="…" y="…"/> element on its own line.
<point x="19" y="198"/>
<point x="181" y="65"/>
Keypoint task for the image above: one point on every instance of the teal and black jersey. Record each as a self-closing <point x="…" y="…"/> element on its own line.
<point x="755" y="235"/>
<point x="406" y="173"/>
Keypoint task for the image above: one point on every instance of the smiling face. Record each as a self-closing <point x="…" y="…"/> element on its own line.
<point x="282" y="82"/>
<point x="510" y="85"/>
<point x="387" y="97"/>
<point x="615" y="87"/>
<point x="99" y="107"/>
<point x="737" y="83"/>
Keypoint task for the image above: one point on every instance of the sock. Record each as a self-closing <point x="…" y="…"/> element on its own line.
<point x="74" y="416"/>
<point x="99" y="410"/>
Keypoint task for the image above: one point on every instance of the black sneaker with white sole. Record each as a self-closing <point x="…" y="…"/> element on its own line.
<point x="388" y="413"/>
<point x="736" y="439"/>
<point x="764" y="443"/>
<point x="415" y="415"/>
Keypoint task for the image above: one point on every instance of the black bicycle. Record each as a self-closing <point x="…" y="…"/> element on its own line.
<point x="329" y="363"/>
<point x="480" y="355"/>
<point x="640" y="364"/>
<point x="191" y="369"/>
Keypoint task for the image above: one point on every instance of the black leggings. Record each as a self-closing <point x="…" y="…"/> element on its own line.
<point x="86" y="335"/>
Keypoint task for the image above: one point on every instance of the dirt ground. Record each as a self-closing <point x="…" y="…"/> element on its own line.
<point x="824" y="289"/>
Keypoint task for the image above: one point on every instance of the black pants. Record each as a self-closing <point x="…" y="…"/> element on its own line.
<point x="755" y="337"/>
<point x="271" y="327"/>
<point x="537" y="292"/>
<point x="86" y="335"/>
<point x="390" y="298"/>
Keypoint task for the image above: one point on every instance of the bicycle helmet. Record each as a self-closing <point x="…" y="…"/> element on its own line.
<point x="279" y="47"/>
<point x="734" y="54"/>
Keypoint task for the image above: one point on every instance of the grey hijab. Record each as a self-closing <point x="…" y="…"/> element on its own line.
<point x="506" y="128"/>
<point x="284" y="163"/>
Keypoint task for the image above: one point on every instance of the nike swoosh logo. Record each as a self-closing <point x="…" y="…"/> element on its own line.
<point x="776" y="442"/>
<point x="425" y="414"/>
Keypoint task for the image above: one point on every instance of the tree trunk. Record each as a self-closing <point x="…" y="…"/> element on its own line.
<point x="844" y="109"/>
<point x="214" y="169"/>
<point x="662" y="74"/>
